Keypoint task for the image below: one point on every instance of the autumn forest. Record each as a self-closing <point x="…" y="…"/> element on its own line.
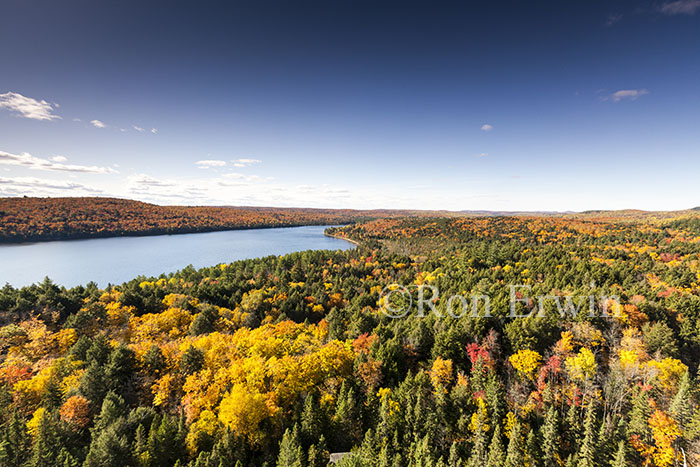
<point x="283" y="361"/>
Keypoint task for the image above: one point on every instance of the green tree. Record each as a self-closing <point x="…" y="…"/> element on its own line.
<point x="497" y="454"/>
<point x="550" y="438"/>
<point x="14" y="442"/>
<point x="514" y="455"/>
<point x="290" y="452"/>
<point x="587" y="452"/>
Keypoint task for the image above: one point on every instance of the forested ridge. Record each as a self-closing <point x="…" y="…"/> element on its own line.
<point x="41" y="219"/>
<point x="280" y="361"/>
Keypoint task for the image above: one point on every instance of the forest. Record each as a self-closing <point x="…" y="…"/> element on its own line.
<point x="40" y="219"/>
<point x="283" y="361"/>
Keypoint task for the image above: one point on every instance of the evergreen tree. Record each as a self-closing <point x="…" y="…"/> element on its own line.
<point x="639" y="415"/>
<point x="14" y="442"/>
<point x="120" y="367"/>
<point x="317" y="455"/>
<point x="140" y="450"/>
<point x="681" y="407"/>
<point x="154" y="360"/>
<point x="587" y="452"/>
<point x="532" y="449"/>
<point x="347" y="416"/>
<point x="514" y="455"/>
<point x="620" y="456"/>
<point x="290" y="452"/>
<point x="203" y="323"/>
<point x="47" y="443"/>
<point x="311" y="424"/>
<point x="550" y="438"/>
<point x="192" y="360"/>
<point x="497" y="455"/>
<point x="109" y="448"/>
<point x="93" y="384"/>
<point x="479" y="448"/>
<point x="454" y="460"/>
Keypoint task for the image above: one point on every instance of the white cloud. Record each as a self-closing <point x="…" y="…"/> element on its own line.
<point x="245" y="162"/>
<point x="32" y="185"/>
<point x="138" y="128"/>
<point x="626" y="94"/>
<point x="210" y="163"/>
<point x="486" y="127"/>
<point x="483" y="154"/>
<point x="680" y="7"/>
<point x="28" y="107"/>
<point x="154" y="131"/>
<point x="97" y="124"/>
<point x="144" y="181"/>
<point x="55" y="163"/>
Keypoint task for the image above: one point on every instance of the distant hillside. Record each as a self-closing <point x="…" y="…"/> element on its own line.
<point x="39" y="219"/>
<point x="635" y="215"/>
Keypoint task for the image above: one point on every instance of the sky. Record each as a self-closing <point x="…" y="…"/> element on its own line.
<point x="549" y="106"/>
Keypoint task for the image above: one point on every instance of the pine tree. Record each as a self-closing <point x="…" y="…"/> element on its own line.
<point x="164" y="443"/>
<point x="573" y="428"/>
<point x="290" y="454"/>
<point x="454" y="460"/>
<point x="347" y="415"/>
<point x="587" y="452"/>
<point x="310" y="421"/>
<point x="639" y="415"/>
<point x="681" y="406"/>
<point x="497" y="455"/>
<point x="494" y="397"/>
<point x="121" y="365"/>
<point x="550" y="438"/>
<point x="479" y="449"/>
<point x="318" y="454"/>
<point x="514" y="455"/>
<point x="192" y="360"/>
<point x="14" y="443"/>
<point x="620" y="456"/>
<point x="46" y="446"/>
<point x="113" y="408"/>
<point x="532" y="450"/>
<point x="109" y="448"/>
<point x="93" y="384"/>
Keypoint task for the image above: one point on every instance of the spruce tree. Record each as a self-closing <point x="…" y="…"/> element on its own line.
<point x="290" y="454"/>
<point x="14" y="442"/>
<point x="550" y="438"/>
<point x="639" y="415"/>
<point x="47" y="444"/>
<point x="497" y="455"/>
<point x="681" y="406"/>
<point x="532" y="449"/>
<point x="454" y="459"/>
<point x="587" y="452"/>
<point x="620" y="456"/>
<point x="514" y="455"/>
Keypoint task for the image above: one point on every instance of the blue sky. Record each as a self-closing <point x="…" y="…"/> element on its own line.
<point x="431" y="105"/>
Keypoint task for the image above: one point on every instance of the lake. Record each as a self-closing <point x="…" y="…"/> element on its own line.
<point x="119" y="259"/>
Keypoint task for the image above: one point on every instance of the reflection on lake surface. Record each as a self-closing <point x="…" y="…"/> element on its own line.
<point x="119" y="259"/>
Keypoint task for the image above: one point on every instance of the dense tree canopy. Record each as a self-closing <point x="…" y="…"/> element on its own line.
<point x="283" y="360"/>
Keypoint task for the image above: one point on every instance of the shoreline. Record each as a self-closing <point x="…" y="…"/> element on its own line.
<point x="354" y="242"/>
<point x="154" y="233"/>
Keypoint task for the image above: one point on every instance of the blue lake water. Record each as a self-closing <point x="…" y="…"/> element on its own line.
<point x="119" y="259"/>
